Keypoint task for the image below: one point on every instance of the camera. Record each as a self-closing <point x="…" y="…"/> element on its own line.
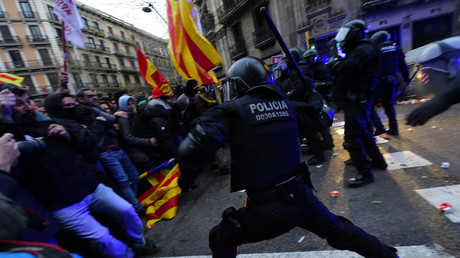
<point x="31" y="145"/>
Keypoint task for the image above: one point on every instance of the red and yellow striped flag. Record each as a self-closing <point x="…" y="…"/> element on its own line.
<point x="162" y="198"/>
<point x="192" y="54"/>
<point x="151" y="75"/>
<point x="11" y="78"/>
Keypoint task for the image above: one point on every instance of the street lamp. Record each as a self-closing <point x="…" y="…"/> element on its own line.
<point x="149" y="8"/>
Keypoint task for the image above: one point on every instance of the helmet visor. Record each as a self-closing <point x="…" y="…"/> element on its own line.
<point x="229" y="89"/>
<point x="342" y="34"/>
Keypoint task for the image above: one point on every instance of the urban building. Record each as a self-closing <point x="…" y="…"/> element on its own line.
<point x="31" y="46"/>
<point x="237" y="28"/>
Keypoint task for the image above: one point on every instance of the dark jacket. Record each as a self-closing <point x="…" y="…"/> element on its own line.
<point x="54" y="174"/>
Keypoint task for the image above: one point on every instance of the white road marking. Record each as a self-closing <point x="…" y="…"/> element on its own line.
<point x="445" y="194"/>
<point x="404" y="159"/>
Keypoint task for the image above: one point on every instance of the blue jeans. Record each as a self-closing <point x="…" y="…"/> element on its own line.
<point x="77" y="219"/>
<point x="120" y="168"/>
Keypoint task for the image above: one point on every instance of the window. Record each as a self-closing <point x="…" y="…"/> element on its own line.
<point x="26" y="9"/>
<point x="107" y="61"/>
<point x="115" y="80"/>
<point x="122" y="34"/>
<point x="46" y="59"/>
<point x="78" y="81"/>
<point x="91" y="43"/>
<point x="6" y="34"/>
<point x="85" y="21"/>
<point x="96" y="25"/>
<point x="98" y="61"/>
<point x="53" y="16"/>
<point x="59" y="33"/>
<point x="110" y="29"/>
<point x="101" y="42"/>
<point x="16" y="58"/>
<point x="36" y="34"/>
<point x="132" y="64"/>
<point x="94" y="80"/>
<point x="115" y="46"/>
<point x="105" y="81"/>
<point x="122" y="62"/>
<point x="28" y="81"/>
<point x="137" y="80"/>
<point x="53" y="78"/>
<point x="126" y="77"/>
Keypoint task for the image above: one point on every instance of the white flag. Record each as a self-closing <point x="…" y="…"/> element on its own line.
<point x="68" y="12"/>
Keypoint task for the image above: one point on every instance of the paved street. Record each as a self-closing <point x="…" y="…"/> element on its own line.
<point x="400" y="208"/>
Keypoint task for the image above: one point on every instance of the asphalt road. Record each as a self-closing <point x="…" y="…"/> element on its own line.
<point x="400" y="218"/>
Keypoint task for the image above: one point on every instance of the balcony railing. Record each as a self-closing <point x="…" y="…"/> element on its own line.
<point x="119" y="52"/>
<point x="263" y="37"/>
<point x="30" y="64"/>
<point x="208" y="24"/>
<point x="102" y="66"/>
<point x="238" y="50"/>
<point x="131" y="55"/>
<point x="126" y="40"/>
<point x="97" y="47"/>
<point x="129" y="69"/>
<point x="229" y="8"/>
<point x="10" y="41"/>
<point x="37" y="39"/>
<point x="28" y="15"/>
<point x="114" y="37"/>
<point x="94" y="30"/>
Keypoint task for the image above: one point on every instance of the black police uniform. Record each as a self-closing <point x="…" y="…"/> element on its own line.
<point x="392" y="62"/>
<point x="355" y="78"/>
<point x="260" y="126"/>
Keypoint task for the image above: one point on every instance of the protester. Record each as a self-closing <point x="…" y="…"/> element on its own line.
<point x="55" y="174"/>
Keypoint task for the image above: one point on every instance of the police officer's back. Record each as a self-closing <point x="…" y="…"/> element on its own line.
<point x="260" y="125"/>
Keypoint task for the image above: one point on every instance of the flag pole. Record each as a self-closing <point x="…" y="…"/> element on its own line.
<point x="64" y="48"/>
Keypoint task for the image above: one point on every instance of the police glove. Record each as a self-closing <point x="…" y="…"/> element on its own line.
<point x="186" y="185"/>
<point x="427" y="110"/>
<point x="333" y="63"/>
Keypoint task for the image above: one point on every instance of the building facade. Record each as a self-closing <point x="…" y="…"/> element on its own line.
<point x="237" y="28"/>
<point x="31" y="46"/>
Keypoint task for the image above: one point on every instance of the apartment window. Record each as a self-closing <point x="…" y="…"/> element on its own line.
<point x="105" y="80"/>
<point x="137" y="80"/>
<point x="115" y="80"/>
<point x="86" y="60"/>
<point x="53" y="16"/>
<point x="59" y="32"/>
<point x="115" y="46"/>
<point x="26" y="9"/>
<point x="122" y="62"/>
<point x="127" y="49"/>
<point x="35" y="32"/>
<point x="126" y="78"/>
<point x="107" y="61"/>
<point x="28" y="81"/>
<point x="85" y="21"/>
<point x="92" y="44"/>
<point x="122" y="34"/>
<point x="53" y="78"/>
<point x="6" y="34"/>
<point x="94" y="80"/>
<point x="16" y="58"/>
<point x="78" y="81"/>
<point x="96" y="25"/>
<point x="132" y="64"/>
<point x="110" y="30"/>
<point x="101" y="42"/>
<point x="45" y="56"/>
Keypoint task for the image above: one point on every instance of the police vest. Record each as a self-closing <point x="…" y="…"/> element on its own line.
<point x="264" y="142"/>
<point x="390" y="58"/>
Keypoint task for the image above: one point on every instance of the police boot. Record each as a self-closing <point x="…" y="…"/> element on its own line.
<point x="393" y="131"/>
<point x="380" y="131"/>
<point x="361" y="179"/>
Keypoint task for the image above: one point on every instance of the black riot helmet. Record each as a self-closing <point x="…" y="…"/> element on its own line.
<point x="246" y="73"/>
<point x="381" y="36"/>
<point x="310" y="56"/>
<point x="295" y="53"/>
<point x="350" y="33"/>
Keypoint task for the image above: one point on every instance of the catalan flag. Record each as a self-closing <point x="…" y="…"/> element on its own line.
<point x="151" y="75"/>
<point x="162" y="198"/>
<point x="192" y="54"/>
<point x="11" y="78"/>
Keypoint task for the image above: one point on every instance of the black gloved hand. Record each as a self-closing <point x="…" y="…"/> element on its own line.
<point x="186" y="185"/>
<point x="427" y="110"/>
<point x="333" y="62"/>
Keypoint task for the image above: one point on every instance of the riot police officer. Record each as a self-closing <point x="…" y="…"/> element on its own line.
<point x="354" y="81"/>
<point x="295" y="90"/>
<point x="392" y="63"/>
<point x="278" y="186"/>
<point x="323" y="84"/>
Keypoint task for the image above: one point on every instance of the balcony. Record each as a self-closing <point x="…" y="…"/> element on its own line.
<point x="94" y="30"/>
<point x="126" y="41"/>
<point x="263" y="38"/>
<point x="128" y="69"/>
<point x="96" y="47"/>
<point x="30" y="65"/>
<point x="238" y="50"/>
<point x="12" y="41"/>
<point x="118" y="52"/>
<point x="131" y="55"/>
<point x="36" y="40"/>
<point x="207" y="23"/>
<point x="114" y="37"/>
<point x="229" y="8"/>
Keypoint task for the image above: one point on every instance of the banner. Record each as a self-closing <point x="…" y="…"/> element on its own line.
<point x="73" y="23"/>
